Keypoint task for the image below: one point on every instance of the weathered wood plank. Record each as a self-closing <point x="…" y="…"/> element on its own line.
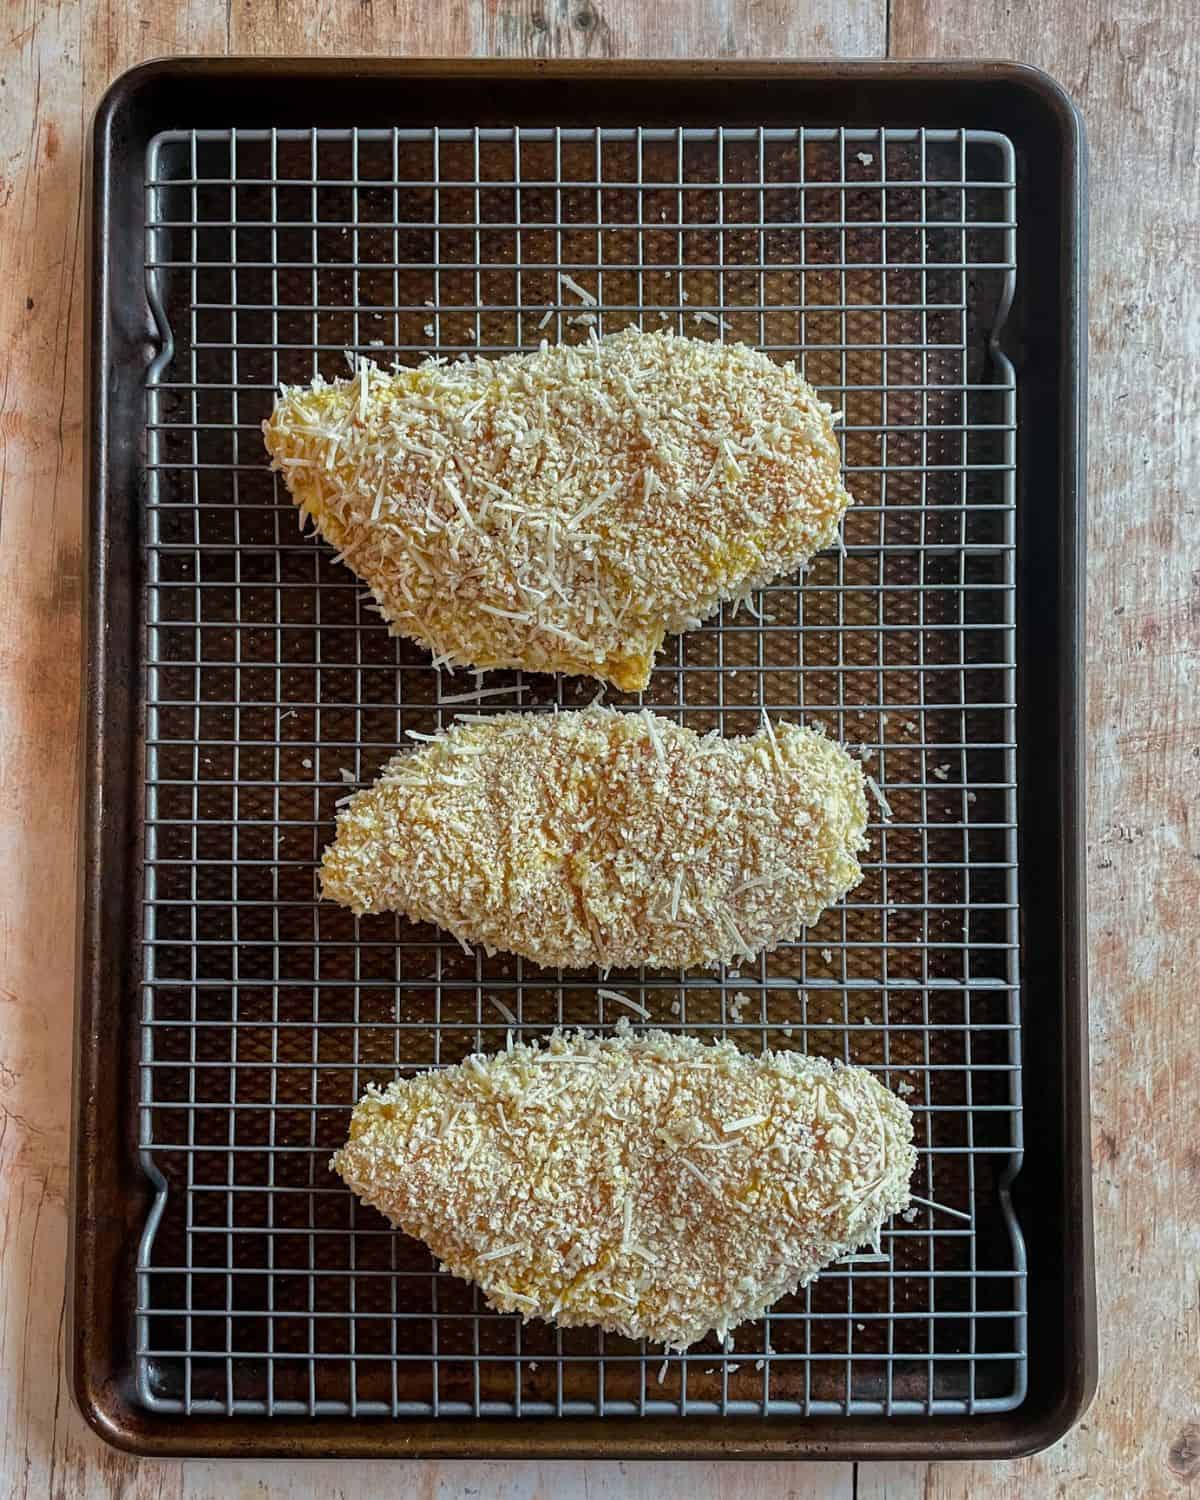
<point x="54" y="62"/>
<point x="349" y="28"/>
<point x="522" y="1481"/>
<point x="708" y="28"/>
<point x="1135" y="70"/>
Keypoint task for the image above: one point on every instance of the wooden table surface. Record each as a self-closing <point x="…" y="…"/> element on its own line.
<point x="1134" y="66"/>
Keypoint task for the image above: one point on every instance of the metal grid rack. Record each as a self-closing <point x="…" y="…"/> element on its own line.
<point x="883" y="260"/>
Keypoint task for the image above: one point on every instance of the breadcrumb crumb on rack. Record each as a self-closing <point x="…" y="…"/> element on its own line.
<point x="562" y="511"/>
<point x="604" y="838"/>
<point x="573" y="1192"/>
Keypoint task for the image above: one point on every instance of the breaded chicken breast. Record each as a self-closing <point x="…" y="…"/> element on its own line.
<point x="562" y="511"/>
<point x="607" y="838"/>
<point x="650" y="1185"/>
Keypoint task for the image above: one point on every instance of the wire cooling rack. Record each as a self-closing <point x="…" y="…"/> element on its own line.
<point x="883" y="260"/>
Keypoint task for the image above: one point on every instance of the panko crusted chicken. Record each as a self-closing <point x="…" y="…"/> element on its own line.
<point x="606" y="838"/>
<point x="562" y="511"/>
<point x="652" y="1185"/>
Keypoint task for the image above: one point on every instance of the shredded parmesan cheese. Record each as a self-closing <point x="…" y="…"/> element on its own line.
<point x="676" y="892"/>
<point x="619" y="999"/>
<point x="458" y="492"/>
<point x="694" y="1170"/>
<point x="477" y="693"/>
<point x="593" y="1161"/>
<point x="503" y="1252"/>
<point x="941" y="1207"/>
<point x="885" y="807"/>
<point x="573" y="286"/>
<point x="503" y="1009"/>
<point x="605" y="838"/>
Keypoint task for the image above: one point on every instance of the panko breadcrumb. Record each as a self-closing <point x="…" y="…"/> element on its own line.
<point x="562" y="511"/>
<point x="654" y="1185"/>
<point x="607" y="838"/>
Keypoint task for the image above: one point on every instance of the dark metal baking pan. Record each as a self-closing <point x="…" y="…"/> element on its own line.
<point x="910" y="232"/>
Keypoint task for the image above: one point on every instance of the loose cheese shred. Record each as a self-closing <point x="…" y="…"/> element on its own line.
<point x="477" y="693"/>
<point x="573" y="286"/>
<point x="748" y="601"/>
<point x="876" y="791"/>
<point x="954" y="1213"/>
<point x="598" y="1177"/>
<point x="770" y="732"/>
<point x="619" y="999"/>
<point x="503" y="1009"/>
